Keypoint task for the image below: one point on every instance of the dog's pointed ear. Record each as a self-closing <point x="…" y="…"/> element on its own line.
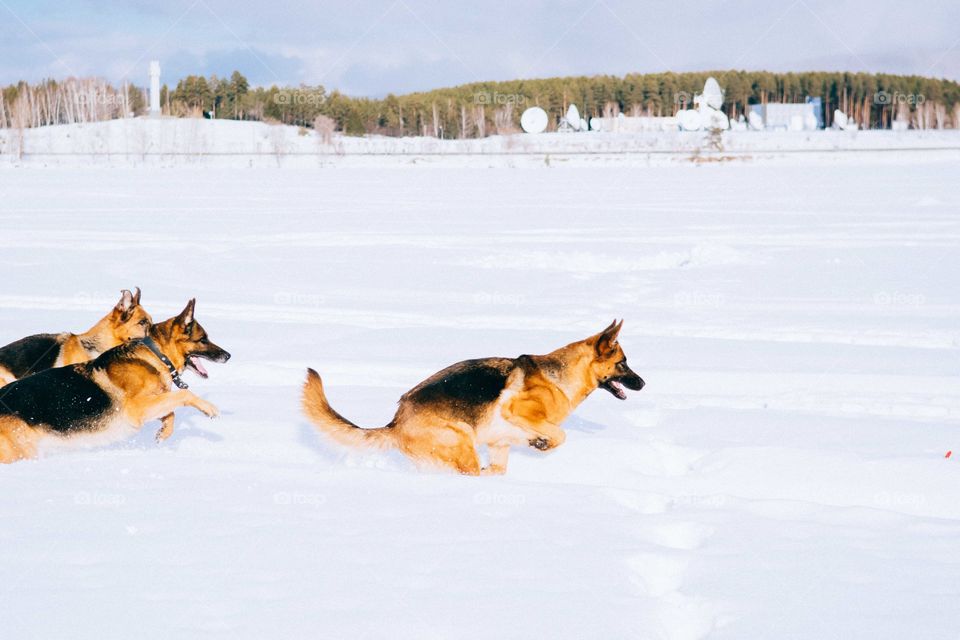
<point x="136" y="296"/>
<point x="126" y="304"/>
<point x="607" y="339"/>
<point x="186" y="316"/>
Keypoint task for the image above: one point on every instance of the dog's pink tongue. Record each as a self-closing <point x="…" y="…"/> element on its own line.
<point x="199" y="367"/>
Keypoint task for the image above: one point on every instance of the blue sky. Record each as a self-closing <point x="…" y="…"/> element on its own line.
<point x="367" y="47"/>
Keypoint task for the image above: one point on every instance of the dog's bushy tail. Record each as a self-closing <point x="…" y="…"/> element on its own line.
<point x="338" y="428"/>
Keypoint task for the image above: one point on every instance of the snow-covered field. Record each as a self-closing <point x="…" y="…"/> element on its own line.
<point x="782" y="475"/>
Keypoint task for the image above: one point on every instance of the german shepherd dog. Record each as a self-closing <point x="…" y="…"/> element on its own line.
<point x="127" y="321"/>
<point x="111" y="397"/>
<point x="498" y="402"/>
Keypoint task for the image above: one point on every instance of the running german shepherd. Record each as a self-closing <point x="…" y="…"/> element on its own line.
<point x="498" y="402"/>
<point x="109" y="398"/>
<point x="127" y="321"/>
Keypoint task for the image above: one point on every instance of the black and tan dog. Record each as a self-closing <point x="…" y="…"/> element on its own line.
<point x="111" y="397"/>
<point x="498" y="402"/>
<point x="127" y="321"/>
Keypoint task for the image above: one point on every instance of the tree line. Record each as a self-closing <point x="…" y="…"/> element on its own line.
<point x="73" y="100"/>
<point x="485" y="108"/>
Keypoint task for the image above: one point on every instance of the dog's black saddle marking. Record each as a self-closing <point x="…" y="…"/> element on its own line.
<point x="467" y="387"/>
<point x="62" y="400"/>
<point x="31" y="354"/>
<point x="475" y="384"/>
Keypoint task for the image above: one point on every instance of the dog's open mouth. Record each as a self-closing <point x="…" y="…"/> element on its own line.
<point x="618" y="386"/>
<point x="193" y="363"/>
<point x="614" y="387"/>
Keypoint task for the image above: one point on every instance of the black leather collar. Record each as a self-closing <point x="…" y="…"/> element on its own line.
<point x="150" y="344"/>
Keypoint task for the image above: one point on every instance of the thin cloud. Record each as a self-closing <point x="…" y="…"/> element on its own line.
<point x="362" y="48"/>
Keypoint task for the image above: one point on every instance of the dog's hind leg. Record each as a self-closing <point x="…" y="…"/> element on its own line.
<point x="166" y="428"/>
<point x="450" y="445"/>
<point x="17" y="441"/>
<point x="466" y="461"/>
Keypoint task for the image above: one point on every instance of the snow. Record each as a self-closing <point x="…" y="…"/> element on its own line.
<point x="783" y="474"/>
<point x="172" y="142"/>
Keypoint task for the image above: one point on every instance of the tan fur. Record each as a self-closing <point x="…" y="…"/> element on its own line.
<point x="140" y="385"/>
<point x="336" y="426"/>
<point x="530" y="409"/>
<point x="126" y="321"/>
<point x="149" y="398"/>
<point x="166" y="428"/>
<point x="17" y="441"/>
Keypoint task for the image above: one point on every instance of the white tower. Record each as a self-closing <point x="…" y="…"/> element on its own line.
<point x="155" y="88"/>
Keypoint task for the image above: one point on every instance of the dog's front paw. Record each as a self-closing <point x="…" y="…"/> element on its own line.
<point x="493" y="470"/>
<point x="209" y="409"/>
